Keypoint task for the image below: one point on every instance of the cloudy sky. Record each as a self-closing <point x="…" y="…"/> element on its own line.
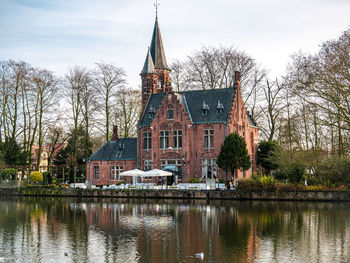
<point x="57" y="34"/>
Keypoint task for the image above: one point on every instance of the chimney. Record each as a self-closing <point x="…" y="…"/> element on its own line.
<point x="237" y="76"/>
<point x="115" y="133"/>
<point x="237" y="82"/>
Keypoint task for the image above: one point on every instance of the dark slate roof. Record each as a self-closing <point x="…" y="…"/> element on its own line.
<point x="193" y="102"/>
<point x="195" y="99"/>
<point x="120" y="149"/>
<point x="154" y="100"/>
<point x="251" y="121"/>
<point x="148" y="67"/>
<point x="157" y="49"/>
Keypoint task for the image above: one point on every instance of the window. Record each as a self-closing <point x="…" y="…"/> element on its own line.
<point x="208" y="139"/>
<point x="115" y="171"/>
<point x="209" y="168"/>
<point x="177" y="136"/>
<point x="147" y="165"/>
<point x="176" y="162"/>
<point x="147" y="140"/>
<point x="170" y="114"/>
<point x="151" y="112"/>
<point x="96" y="172"/>
<point x="159" y="84"/>
<point x="205" y="109"/>
<point x="164" y="139"/>
<point x="219" y="108"/>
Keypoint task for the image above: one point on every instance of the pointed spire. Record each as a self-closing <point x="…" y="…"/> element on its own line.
<point x="148" y="67"/>
<point x="157" y="49"/>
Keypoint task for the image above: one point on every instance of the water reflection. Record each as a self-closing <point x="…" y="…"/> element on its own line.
<point x="135" y="230"/>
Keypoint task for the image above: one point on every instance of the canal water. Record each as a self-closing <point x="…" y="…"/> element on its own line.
<point x="138" y="230"/>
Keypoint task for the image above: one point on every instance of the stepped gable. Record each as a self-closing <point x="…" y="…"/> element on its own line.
<point x="117" y="150"/>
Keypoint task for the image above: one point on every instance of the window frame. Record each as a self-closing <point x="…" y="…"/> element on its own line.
<point x="115" y="171"/>
<point x="163" y="139"/>
<point x="177" y="139"/>
<point x="172" y="114"/>
<point x="207" y="163"/>
<point x="147" y="140"/>
<point x="208" y="138"/>
<point x="96" y="171"/>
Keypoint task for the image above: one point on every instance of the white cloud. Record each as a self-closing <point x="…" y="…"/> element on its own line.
<point x="59" y="34"/>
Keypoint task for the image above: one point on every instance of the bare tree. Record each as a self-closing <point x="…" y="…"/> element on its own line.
<point x="127" y="112"/>
<point x="214" y="68"/>
<point x="108" y="78"/>
<point x="45" y="84"/>
<point x="272" y="110"/>
<point x="55" y="141"/>
<point x="76" y="83"/>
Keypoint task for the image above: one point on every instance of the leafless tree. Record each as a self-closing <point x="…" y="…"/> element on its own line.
<point x="214" y="68"/>
<point x="108" y="80"/>
<point x="272" y="110"/>
<point x="127" y="112"/>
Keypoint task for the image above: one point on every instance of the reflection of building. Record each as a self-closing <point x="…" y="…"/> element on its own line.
<point x="44" y="156"/>
<point x="182" y="129"/>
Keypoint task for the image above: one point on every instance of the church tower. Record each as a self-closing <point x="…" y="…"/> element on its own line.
<point x="155" y="72"/>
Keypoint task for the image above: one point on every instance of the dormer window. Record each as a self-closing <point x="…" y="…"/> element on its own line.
<point x="151" y="112"/>
<point x="219" y="108"/>
<point x="121" y="146"/>
<point x="205" y="109"/>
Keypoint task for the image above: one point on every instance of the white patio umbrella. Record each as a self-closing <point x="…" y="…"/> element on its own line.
<point x="134" y="173"/>
<point x="157" y="172"/>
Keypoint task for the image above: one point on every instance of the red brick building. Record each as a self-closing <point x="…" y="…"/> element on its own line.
<point x="183" y="129"/>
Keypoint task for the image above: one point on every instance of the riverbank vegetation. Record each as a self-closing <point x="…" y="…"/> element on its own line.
<point x="54" y="123"/>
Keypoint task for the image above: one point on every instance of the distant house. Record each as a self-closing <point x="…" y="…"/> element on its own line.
<point x="44" y="156"/>
<point x="181" y="129"/>
<point x="117" y="155"/>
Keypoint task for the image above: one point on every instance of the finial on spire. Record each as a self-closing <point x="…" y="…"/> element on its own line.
<point x="156" y="4"/>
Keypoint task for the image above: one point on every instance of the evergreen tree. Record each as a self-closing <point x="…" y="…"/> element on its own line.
<point x="12" y="153"/>
<point x="233" y="154"/>
<point x="266" y="156"/>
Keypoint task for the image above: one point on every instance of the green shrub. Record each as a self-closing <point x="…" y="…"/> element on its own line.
<point x="289" y="187"/>
<point x="296" y="172"/>
<point x="334" y="172"/>
<point x="193" y="180"/>
<point x="47" y="177"/>
<point x="267" y="182"/>
<point x="36" y="177"/>
<point x="249" y="185"/>
<point x="9" y="173"/>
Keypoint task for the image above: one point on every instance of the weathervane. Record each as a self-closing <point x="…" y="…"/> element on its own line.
<point x="156" y="4"/>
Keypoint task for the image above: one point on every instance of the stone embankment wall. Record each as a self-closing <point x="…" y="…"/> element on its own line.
<point x="181" y="194"/>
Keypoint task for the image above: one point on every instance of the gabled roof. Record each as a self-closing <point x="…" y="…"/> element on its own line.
<point x="118" y="150"/>
<point x="148" y="67"/>
<point x="195" y="99"/>
<point x="193" y="103"/>
<point x="157" y="49"/>
<point x="154" y="101"/>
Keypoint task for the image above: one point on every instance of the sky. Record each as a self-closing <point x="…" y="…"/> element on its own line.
<point x="57" y="35"/>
